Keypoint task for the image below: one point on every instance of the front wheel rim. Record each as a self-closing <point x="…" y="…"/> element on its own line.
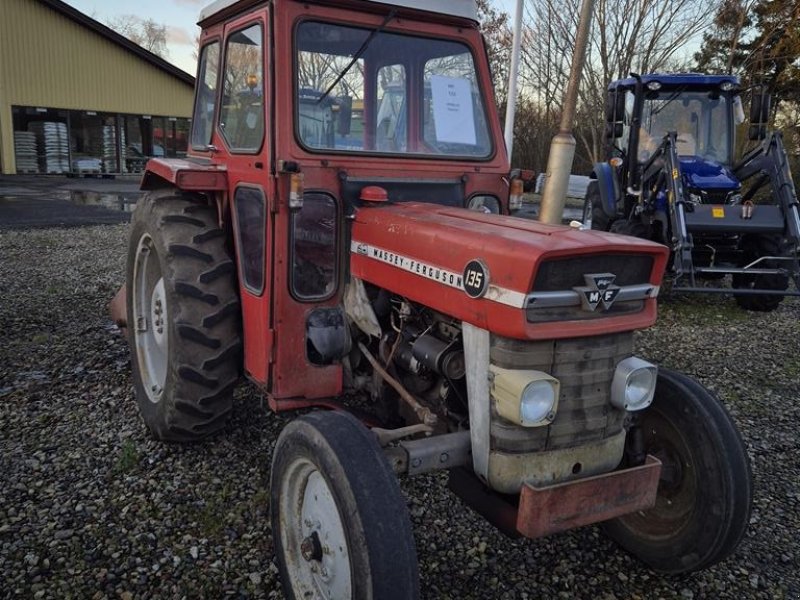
<point x="679" y="484"/>
<point x="150" y="319"/>
<point x="313" y="535"/>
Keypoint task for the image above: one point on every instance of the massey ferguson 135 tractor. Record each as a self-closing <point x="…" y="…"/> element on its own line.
<point x="672" y="178"/>
<point x="369" y="266"/>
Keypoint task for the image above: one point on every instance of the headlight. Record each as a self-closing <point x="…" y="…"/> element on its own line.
<point x="634" y="384"/>
<point x="485" y="204"/>
<point x="527" y="398"/>
<point x="537" y="402"/>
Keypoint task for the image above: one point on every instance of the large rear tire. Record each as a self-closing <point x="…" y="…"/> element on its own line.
<point x="705" y="493"/>
<point x="340" y="525"/>
<point x="754" y="247"/>
<point x="183" y="316"/>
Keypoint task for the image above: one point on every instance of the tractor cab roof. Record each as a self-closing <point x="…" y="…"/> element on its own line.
<point x="687" y="80"/>
<point x="462" y="9"/>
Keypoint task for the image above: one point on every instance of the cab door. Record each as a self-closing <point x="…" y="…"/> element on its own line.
<point x="244" y="135"/>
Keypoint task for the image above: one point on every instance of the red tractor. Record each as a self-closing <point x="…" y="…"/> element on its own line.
<point x="370" y="266"/>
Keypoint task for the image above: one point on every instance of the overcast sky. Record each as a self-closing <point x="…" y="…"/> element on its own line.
<point x="180" y="17"/>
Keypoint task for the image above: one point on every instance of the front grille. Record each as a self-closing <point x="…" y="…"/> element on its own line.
<point x="560" y="274"/>
<point x="585" y="367"/>
<point x="563" y="275"/>
<point x="715" y="196"/>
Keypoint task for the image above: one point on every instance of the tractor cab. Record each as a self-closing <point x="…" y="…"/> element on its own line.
<point x="702" y="110"/>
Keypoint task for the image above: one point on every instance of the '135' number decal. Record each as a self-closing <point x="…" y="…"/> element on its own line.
<point x="476" y="279"/>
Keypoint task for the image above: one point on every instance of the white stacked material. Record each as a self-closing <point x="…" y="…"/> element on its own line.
<point x="123" y="154"/>
<point x="87" y="164"/>
<point x="109" y="149"/>
<point x="53" y="145"/>
<point x="91" y="159"/>
<point x="25" y="150"/>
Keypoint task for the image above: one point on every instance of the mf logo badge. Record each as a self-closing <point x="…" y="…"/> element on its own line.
<point x="599" y="289"/>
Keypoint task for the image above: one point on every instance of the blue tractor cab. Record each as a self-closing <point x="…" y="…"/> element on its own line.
<point x="671" y="175"/>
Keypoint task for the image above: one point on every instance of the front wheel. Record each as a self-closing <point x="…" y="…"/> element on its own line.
<point x="340" y="525"/>
<point x="705" y="492"/>
<point x="593" y="214"/>
<point x="753" y="248"/>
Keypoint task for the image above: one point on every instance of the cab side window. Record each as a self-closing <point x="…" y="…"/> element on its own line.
<point x="206" y="97"/>
<point x="241" y="116"/>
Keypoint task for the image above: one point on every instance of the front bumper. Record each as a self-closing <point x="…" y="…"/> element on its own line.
<point x="550" y="509"/>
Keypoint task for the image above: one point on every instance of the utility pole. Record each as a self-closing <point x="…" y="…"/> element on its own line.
<point x="511" y="103"/>
<point x="562" y="148"/>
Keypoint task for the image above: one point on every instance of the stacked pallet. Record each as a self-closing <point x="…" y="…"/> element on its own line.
<point x="109" y="149"/>
<point x="53" y="145"/>
<point x="25" y="150"/>
<point x="90" y="160"/>
<point x="87" y="165"/>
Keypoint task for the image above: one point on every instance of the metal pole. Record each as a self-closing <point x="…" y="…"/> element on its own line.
<point x="511" y="102"/>
<point x="562" y="149"/>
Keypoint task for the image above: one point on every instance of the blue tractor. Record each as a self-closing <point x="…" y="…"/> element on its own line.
<point x="671" y="177"/>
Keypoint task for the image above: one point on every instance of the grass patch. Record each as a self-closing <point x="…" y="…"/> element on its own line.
<point x="128" y="458"/>
<point x="40" y="338"/>
<point x="214" y="511"/>
<point x="220" y="509"/>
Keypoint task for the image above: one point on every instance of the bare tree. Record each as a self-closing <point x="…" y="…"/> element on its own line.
<point x="627" y="36"/>
<point x="147" y="33"/>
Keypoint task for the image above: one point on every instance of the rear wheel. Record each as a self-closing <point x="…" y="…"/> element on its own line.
<point x="705" y="491"/>
<point x="340" y="525"/>
<point x="183" y="316"/>
<point x="754" y="247"/>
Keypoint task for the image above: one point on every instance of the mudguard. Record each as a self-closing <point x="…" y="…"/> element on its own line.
<point x="190" y="174"/>
<point x="608" y="185"/>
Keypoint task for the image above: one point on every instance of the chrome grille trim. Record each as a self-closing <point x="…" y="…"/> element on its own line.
<point x="568" y="298"/>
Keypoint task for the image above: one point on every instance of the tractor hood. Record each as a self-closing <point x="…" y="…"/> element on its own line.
<point x="515" y="277"/>
<point x="704" y="174"/>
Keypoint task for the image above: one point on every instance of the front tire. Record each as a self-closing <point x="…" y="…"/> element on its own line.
<point x="340" y="525"/>
<point x="593" y="213"/>
<point x="183" y="316"/>
<point x="705" y="493"/>
<point x="754" y="247"/>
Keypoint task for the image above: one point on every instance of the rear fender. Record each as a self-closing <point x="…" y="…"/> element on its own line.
<point x="191" y="175"/>
<point x="608" y="186"/>
<point x="187" y="175"/>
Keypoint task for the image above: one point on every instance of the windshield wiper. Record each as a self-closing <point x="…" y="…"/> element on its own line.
<point x="674" y="95"/>
<point x="358" y="53"/>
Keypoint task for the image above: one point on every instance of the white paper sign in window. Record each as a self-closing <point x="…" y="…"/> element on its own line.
<point x="452" y="110"/>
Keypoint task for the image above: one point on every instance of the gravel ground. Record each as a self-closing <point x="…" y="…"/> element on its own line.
<point x="90" y="507"/>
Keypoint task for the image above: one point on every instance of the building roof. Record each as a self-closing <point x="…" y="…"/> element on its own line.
<point x="466" y="9"/>
<point x="82" y="19"/>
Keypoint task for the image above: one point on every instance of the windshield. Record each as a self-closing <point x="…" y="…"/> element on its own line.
<point x="404" y="94"/>
<point x="702" y="120"/>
